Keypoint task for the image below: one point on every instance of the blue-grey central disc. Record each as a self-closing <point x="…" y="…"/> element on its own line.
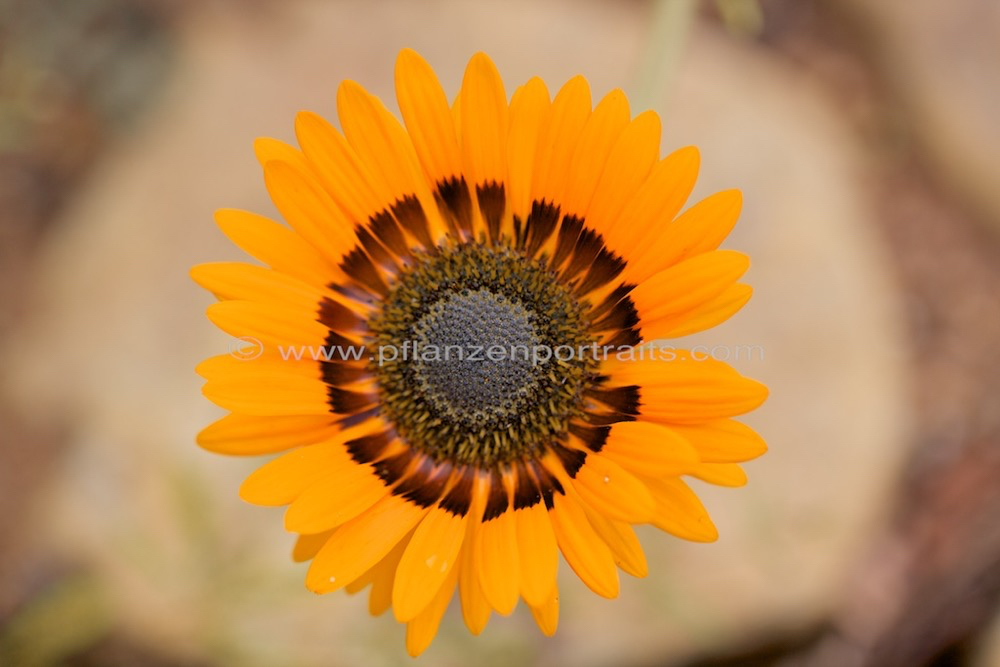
<point x="473" y="356"/>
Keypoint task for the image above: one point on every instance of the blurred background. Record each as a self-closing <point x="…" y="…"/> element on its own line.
<point x="864" y="136"/>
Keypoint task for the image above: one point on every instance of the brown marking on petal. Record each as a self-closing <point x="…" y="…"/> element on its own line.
<point x="392" y="469"/>
<point x="411" y="217"/>
<point x="571" y="459"/>
<point x="376" y="250"/>
<point x="519" y="233"/>
<point x="348" y="421"/>
<point x="623" y="315"/>
<point x="548" y="484"/>
<point x="455" y="203"/>
<point x="336" y="315"/>
<point x="622" y="399"/>
<point x="492" y="204"/>
<point x="385" y="229"/>
<point x="336" y="347"/>
<point x="526" y="493"/>
<point x="360" y="267"/>
<point x="459" y="499"/>
<point x="424" y="486"/>
<point x="369" y="448"/>
<point x="337" y="373"/>
<point x="584" y="252"/>
<point x="593" y="438"/>
<point x="603" y="269"/>
<point x="347" y="402"/>
<point x="569" y="232"/>
<point x="600" y="379"/>
<point x="625" y="338"/>
<point x="354" y="293"/>
<point x="611" y="300"/>
<point x="606" y="419"/>
<point x="497" y="501"/>
<point x="541" y="222"/>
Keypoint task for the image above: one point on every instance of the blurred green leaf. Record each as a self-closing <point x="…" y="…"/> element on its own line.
<point x="61" y="622"/>
<point x="670" y="25"/>
<point x="742" y="17"/>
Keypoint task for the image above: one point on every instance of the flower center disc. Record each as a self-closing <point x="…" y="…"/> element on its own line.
<point x="481" y="355"/>
<point x="473" y="356"/>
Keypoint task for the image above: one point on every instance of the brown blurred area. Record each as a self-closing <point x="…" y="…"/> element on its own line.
<point x="879" y="299"/>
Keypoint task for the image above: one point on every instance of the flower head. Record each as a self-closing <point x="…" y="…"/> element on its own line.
<point x="447" y="345"/>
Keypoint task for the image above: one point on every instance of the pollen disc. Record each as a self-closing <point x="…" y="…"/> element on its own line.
<point x="482" y="355"/>
<point x="472" y="357"/>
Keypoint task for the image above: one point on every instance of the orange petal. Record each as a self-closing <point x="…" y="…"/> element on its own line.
<point x="420" y="632"/>
<point x="383" y="575"/>
<point x="307" y="546"/>
<point x="650" y="449"/>
<point x="597" y="139"/>
<point x="628" y="166"/>
<point x="687" y="285"/>
<point x="247" y="282"/>
<point x="381" y="143"/>
<point x="335" y="499"/>
<point x="528" y="109"/>
<point x="427" y="562"/>
<point x="558" y="139"/>
<point x="267" y="149"/>
<point x="485" y="127"/>
<point x="272" y="395"/>
<point x="428" y="117"/>
<point x="476" y="608"/>
<point x="338" y="168"/>
<point x="639" y="229"/>
<point x="721" y="474"/>
<point x="699" y="229"/>
<point x="497" y="561"/>
<point x="539" y="554"/>
<point x="362" y="542"/>
<point x="583" y="548"/>
<point x="546" y="615"/>
<point x="606" y="486"/>
<point x="703" y="316"/>
<point x="271" y="324"/>
<point x="247" y="435"/>
<point x="282" y="480"/>
<point x="679" y="512"/>
<point x="622" y="542"/>
<point x="276" y="245"/>
<point x="675" y="387"/>
<point x="722" y="441"/>
<point x="309" y="209"/>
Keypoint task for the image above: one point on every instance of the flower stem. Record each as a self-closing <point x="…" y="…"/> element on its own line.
<point x="663" y="51"/>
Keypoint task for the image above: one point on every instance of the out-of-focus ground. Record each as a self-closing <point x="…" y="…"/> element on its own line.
<point x="863" y="135"/>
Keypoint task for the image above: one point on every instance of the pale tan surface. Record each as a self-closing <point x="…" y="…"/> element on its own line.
<point x="193" y="569"/>
<point x="944" y="58"/>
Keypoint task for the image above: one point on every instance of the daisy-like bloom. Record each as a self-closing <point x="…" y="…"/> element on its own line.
<point x="445" y="345"/>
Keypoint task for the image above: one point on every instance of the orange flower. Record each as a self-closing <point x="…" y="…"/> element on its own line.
<point x="446" y="345"/>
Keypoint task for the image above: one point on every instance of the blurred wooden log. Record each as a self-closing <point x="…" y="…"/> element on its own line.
<point x="925" y="592"/>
